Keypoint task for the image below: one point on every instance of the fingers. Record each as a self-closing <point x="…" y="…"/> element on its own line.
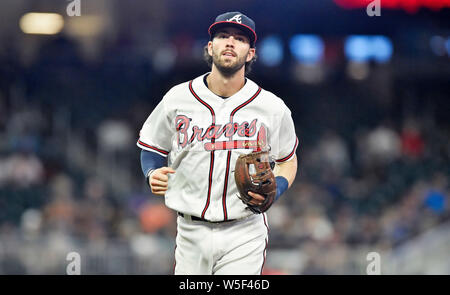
<point x="257" y="198"/>
<point x="159" y="180"/>
<point x="158" y="187"/>
<point x="166" y="170"/>
<point x="161" y="173"/>
<point x="159" y="176"/>
<point x="158" y="183"/>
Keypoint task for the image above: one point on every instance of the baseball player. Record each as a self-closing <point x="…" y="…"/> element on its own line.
<point x="191" y="141"/>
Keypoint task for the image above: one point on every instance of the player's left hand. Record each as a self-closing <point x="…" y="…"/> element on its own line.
<point x="257" y="198"/>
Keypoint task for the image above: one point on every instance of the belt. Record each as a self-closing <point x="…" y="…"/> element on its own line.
<point x="202" y="219"/>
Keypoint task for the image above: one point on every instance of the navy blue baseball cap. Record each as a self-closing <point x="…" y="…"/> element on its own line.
<point x="235" y="19"/>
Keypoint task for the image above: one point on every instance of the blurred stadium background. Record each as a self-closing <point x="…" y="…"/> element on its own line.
<point x="369" y="96"/>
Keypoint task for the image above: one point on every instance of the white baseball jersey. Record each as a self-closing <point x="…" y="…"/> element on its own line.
<point x="203" y="134"/>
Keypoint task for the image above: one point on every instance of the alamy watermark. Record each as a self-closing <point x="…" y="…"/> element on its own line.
<point x="374" y="8"/>
<point x="74" y="8"/>
<point x="74" y="266"/>
<point x="374" y="266"/>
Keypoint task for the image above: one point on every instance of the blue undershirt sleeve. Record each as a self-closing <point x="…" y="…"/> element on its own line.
<point x="151" y="161"/>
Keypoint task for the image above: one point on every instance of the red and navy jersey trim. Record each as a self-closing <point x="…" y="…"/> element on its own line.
<point x="225" y="187"/>
<point x="245" y="103"/>
<point x="211" y="110"/>
<point x="227" y="172"/>
<point x="290" y="154"/>
<point x="212" y="156"/>
<point x="211" y="163"/>
<point x="153" y="148"/>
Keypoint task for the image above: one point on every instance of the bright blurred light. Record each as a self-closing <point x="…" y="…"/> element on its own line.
<point x="41" y="23"/>
<point x="360" y="48"/>
<point x="271" y="51"/>
<point x="307" y="49"/>
<point x="357" y="48"/>
<point x="381" y="48"/>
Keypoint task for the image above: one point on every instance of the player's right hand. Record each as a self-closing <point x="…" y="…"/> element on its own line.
<point x="159" y="180"/>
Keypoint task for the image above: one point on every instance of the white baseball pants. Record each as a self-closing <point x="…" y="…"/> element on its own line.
<point x="230" y="248"/>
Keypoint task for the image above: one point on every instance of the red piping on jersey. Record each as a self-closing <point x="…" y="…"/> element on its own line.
<point x="211" y="164"/>
<point x="267" y="242"/>
<point x="293" y="151"/>
<point x="224" y="195"/>
<point x="211" y="169"/>
<point x="246" y="103"/>
<point x="153" y="148"/>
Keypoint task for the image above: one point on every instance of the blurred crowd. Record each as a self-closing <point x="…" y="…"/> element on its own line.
<point x="396" y="188"/>
<point x="70" y="175"/>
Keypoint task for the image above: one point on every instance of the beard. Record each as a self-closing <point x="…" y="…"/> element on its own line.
<point x="226" y="68"/>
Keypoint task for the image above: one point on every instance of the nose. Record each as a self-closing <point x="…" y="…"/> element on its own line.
<point x="230" y="41"/>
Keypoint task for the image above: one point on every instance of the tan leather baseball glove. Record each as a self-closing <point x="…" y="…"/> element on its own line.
<point x="253" y="173"/>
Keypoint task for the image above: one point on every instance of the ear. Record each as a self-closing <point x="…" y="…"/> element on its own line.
<point x="251" y="53"/>
<point x="210" y="48"/>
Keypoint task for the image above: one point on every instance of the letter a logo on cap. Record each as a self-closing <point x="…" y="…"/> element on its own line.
<point x="237" y="18"/>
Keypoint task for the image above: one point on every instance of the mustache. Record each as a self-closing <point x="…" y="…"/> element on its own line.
<point x="228" y="50"/>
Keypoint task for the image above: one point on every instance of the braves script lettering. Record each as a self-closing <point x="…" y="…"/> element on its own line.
<point x="213" y="131"/>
